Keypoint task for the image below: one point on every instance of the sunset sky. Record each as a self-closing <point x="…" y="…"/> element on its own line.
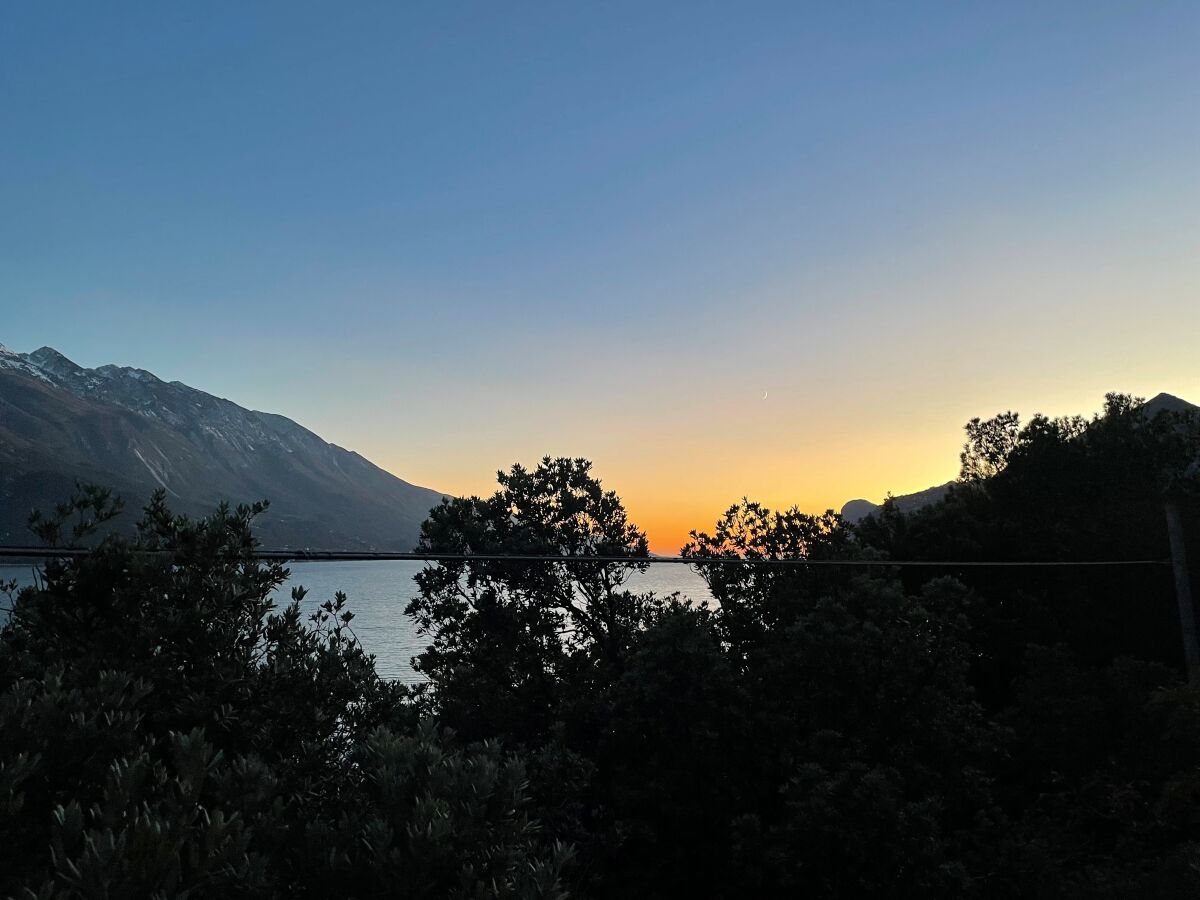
<point x="453" y="236"/>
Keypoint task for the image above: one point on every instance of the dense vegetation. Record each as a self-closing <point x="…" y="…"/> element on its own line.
<point x="826" y="730"/>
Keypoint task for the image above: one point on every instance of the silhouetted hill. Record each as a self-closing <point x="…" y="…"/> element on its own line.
<point x="1168" y="403"/>
<point x="127" y="429"/>
<point x="857" y="510"/>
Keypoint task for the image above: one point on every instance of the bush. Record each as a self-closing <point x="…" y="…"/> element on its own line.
<point x="166" y="731"/>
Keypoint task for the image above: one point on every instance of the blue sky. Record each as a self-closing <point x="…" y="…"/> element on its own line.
<point x="452" y="236"/>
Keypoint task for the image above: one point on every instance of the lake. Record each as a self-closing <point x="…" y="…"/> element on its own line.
<point x="378" y="591"/>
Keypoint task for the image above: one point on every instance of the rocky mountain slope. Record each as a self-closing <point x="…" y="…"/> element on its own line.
<point x="127" y="429"/>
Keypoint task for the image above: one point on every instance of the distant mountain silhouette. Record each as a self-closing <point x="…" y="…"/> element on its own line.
<point x="857" y="510"/>
<point x="1167" y="403"/>
<point x="127" y="429"/>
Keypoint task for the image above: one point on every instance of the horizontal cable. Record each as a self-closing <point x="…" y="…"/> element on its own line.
<point x="368" y="556"/>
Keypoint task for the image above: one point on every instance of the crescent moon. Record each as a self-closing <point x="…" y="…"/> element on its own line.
<point x="764" y="395"/>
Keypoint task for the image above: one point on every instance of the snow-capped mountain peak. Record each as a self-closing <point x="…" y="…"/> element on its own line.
<point x="126" y="428"/>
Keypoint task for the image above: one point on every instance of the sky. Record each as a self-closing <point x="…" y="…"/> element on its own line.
<point x="781" y="251"/>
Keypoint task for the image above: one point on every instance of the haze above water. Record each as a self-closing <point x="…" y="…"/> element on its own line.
<point x="379" y="591"/>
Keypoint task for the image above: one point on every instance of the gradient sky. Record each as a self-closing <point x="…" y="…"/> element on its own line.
<point x="453" y="236"/>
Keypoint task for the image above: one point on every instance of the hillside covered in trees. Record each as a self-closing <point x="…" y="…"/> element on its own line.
<point x="827" y="730"/>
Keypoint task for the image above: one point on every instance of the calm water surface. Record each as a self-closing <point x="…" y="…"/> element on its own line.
<point x="379" y="591"/>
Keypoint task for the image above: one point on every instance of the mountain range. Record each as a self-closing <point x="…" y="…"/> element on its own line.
<point x="857" y="510"/>
<point x="126" y="429"/>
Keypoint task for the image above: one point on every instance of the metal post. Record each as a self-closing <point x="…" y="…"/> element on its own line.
<point x="1183" y="590"/>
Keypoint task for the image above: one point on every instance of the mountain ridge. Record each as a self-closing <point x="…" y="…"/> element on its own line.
<point x="128" y="429"/>
<point x="857" y="510"/>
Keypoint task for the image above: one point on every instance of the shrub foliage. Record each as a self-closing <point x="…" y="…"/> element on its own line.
<point x="167" y="730"/>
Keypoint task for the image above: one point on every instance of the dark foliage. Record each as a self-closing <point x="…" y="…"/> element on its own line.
<point x="1081" y="665"/>
<point x="165" y="731"/>
<point x="820" y="730"/>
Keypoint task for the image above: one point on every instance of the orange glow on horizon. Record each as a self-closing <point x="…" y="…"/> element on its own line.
<point x="674" y="480"/>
